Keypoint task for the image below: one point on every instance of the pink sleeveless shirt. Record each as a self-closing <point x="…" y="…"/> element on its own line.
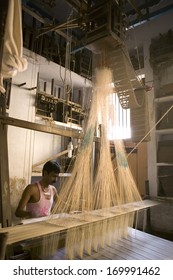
<point x="43" y="206"/>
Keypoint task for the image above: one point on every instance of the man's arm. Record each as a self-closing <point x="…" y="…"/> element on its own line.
<point x="55" y="198"/>
<point x="20" y="212"/>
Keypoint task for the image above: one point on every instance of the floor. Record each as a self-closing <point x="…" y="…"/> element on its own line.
<point x="137" y="246"/>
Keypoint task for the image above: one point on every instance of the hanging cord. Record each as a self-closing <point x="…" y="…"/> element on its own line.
<point x="68" y="51"/>
<point x="30" y="135"/>
<point x="128" y="60"/>
<point x="151" y="130"/>
<point x="126" y="54"/>
<point x="67" y="54"/>
<point x="137" y="50"/>
<point x="67" y="90"/>
<point x="136" y="146"/>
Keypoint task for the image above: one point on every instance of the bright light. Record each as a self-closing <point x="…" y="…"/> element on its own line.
<point x="141" y="76"/>
<point x="119" y="123"/>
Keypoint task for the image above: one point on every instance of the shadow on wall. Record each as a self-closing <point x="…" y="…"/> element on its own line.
<point x="17" y="186"/>
<point x="159" y="220"/>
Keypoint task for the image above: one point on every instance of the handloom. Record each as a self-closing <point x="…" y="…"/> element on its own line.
<point x="92" y="189"/>
<point x="97" y="202"/>
<point x="87" y="225"/>
<point x="102" y="184"/>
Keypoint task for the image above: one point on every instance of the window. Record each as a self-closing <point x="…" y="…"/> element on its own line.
<point x="119" y="124"/>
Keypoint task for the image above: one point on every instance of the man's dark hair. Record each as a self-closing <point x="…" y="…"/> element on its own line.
<point x="51" y="166"/>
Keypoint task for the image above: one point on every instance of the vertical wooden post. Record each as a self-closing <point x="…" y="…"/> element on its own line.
<point x="5" y="206"/>
<point x="3" y="240"/>
<point x="148" y="211"/>
<point x="52" y="86"/>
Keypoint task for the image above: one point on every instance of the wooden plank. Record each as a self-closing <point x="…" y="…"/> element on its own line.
<point x="5" y="212"/>
<point x="155" y="247"/>
<point x="62" y="222"/>
<point x="138" y="251"/>
<point x="130" y="248"/>
<point x="158" y="243"/>
<point x="110" y="252"/>
<point x="126" y="253"/>
<point x="42" y="20"/>
<point x="52" y="129"/>
<point x="47" y="159"/>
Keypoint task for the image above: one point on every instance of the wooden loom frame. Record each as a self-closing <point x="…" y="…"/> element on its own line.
<point x="48" y="225"/>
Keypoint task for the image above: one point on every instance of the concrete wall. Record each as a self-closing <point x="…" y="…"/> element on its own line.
<point x="27" y="147"/>
<point x="161" y="222"/>
<point x="20" y="141"/>
<point x="142" y="35"/>
<point x="138" y="166"/>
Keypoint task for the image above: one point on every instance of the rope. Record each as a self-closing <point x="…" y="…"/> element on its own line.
<point x="150" y="130"/>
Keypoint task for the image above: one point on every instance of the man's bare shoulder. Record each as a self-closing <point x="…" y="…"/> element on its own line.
<point x="31" y="187"/>
<point x="54" y="189"/>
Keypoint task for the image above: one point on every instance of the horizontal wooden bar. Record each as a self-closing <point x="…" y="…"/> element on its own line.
<point x="51" y="129"/>
<point x="34" y="228"/>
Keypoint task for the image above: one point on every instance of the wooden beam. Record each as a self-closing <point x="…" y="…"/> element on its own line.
<point x="4" y="179"/>
<point x="78" y="5"/>
<point x="50" y="158"/>
<point x="37" y="227"/>
<point x="51" y="129"/>
<point x="40" y="19"/>
<point x="3" y="240"/>
<point x="135" y="7"/>
<point x="5" y="210"/>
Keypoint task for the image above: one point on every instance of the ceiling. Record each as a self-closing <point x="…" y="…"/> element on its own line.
<point x="70" y="17"/>
<point x="134" y="10"/>
<point x="53" y="23"/>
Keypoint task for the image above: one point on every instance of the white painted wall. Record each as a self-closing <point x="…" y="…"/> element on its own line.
<point x="27" y="147"/>
<point x="20" y="141"/>
<point x="142" y="35"/>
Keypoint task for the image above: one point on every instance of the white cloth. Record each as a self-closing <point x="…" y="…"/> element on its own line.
<point x="12" y="60"/>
